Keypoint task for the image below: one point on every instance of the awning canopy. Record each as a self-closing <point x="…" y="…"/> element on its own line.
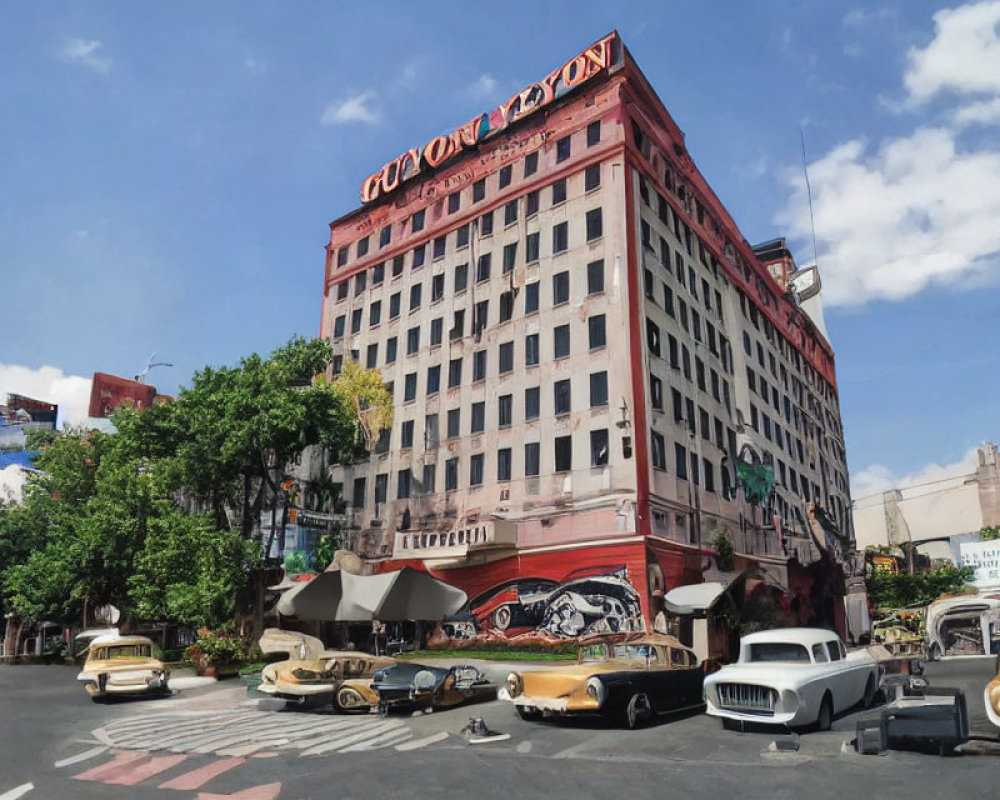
<point x="695" y="598"/>
<point x="406" y="594"/>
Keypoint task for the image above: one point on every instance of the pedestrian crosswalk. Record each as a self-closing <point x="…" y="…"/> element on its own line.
<point x="238" y="733"/>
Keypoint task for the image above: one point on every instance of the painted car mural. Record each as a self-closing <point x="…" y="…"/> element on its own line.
<point x="598" y="600"/>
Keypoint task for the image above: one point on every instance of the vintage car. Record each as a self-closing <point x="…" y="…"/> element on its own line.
<point x="963" y="625"/>
<point x="629" y="678"/>
<point x="416" y="686"/>
<point x="339" y="678"/>
<point x="792" y="677"/>
<point x="992" y="697"/>
<point x="122" y="665"/>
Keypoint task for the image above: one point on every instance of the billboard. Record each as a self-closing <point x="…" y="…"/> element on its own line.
<point x="984" y="558"/>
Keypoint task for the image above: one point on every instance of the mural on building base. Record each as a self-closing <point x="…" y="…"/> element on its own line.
<point x="543" y="611"/>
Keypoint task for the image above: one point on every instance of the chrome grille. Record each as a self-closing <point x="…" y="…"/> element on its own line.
<point x="747" y="697"/>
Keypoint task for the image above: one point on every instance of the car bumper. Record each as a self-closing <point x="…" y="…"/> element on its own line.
<point x="777" y="718"/>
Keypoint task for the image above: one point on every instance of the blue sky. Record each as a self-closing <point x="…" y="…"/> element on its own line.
<point x="169" y="171"/>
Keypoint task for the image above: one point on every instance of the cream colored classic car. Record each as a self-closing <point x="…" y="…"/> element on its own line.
<point x="992" y="697"/>
<point x="628" y="677"/>
<point x="122" y="665"/>
<point x="342" y="679"/>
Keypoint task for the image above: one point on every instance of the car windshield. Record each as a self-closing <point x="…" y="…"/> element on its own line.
<point x="594" y="652"/>
<point x="634" y="652"/>
<point x="778" y="651"/>
<point x="126" y="651"/>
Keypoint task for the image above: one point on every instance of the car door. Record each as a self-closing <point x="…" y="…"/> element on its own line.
<point x="687" y="678"/>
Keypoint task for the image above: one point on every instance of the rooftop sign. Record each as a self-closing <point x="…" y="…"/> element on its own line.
<point x="595" y="59"/>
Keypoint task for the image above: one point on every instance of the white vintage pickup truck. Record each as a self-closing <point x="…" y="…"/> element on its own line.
<point x="792" y="677"/>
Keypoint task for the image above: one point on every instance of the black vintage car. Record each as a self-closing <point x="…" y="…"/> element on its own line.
<point x="416" y="686"/>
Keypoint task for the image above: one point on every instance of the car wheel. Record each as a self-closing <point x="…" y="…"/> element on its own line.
<point x="348" y="701"/>
<point x="528" y="713"/>
<point x="636" y="710"/>
<point x="825" y="719"/>
<point x="871" y="690"/>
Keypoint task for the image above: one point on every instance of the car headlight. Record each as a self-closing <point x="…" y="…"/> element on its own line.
<point x="595" y="689"/>
<point x="514" y="684"/>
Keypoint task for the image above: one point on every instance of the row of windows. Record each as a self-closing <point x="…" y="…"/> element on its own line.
<point x="478" y="193"/>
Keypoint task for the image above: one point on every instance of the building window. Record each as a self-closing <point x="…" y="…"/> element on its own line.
<point x="341" y="256"/>
<point x="410" y="387"/>
<point x="397" y="266"/>
<point x="478" y="417"/>
<point x="531" y="247"/>
<point x="653" y="337"/>
<point x="530" y="164"/>
<point x="403" y="484"/>
<point x="406" y="433"/>
<point x="371" y="358"/>
<point x="659" y="451"/>
<point x="599" y="447"/>
<point x="385" y="236"/>
<point x="505" y="175"/>
<point x="560" y="237"/>
<point x="510" y="213"/>
<point x="673" y="352"/>
<point x="438" y="247"/>
<point x="338" y="326"/>
<point x="412" y="341"/>
<point x="680" y="461"/>
<point x="359" y="283"/>
<point x="394" y="305"/>
<point x="476" y="470"/>
<point x="417" y="221"/>
<point x="595" y="224"/>
<point x="479" y="366"/>
<point x="562" y="149"/>
<point x="561" y="396"/>
<point x="595" y="277"/>
<point x="486" y="224"/>
<point x="596" y="331"/>
<point x="649" y="285"/>
<point x="451" y="474"/>
<point x="560" y="288"/>
<point x="505" y="410"/>
<point x="559" y="192"/>
<point x="461" y="237"/>
<point x="461" y="277"/>
<point x="418" y="256"/>
<point x="415" y="295"/>
<point x="709" y="472"/>
<point x="434" y="379"/>
<point x="437" y="289"/>
<point x="506" y="357"/>
<point x="560" y="336"/>
<point x="378" y="273"/>
<point x="564" y="453"/>
<point x="592" y="177"/>
<point x="480" y="316"/>
<point x="381" y="487"/>
<point x="454" y="202"/>
<point x="454" y="422"/>
<point x="503" y="464"/>
<point x="506" y="306"/>
<point x="455" y="372"/>
<point x="429" y="482"/>
<point x="342" y="289"/>
<point x="531" y="204"/>
<point x="356" y="320"/>
<point x="479" y="190"/>
<point x="598" y="389"/>
<point x="532" y="460"/>
<point x="656" y="392"/>
<point x="509" y="257"/>
<point x="532" y="404"/>
<point x="668" y="299"/>
<point x="390" y="350"/>
<point x="437" y="331"/>
<point x="358" y="496"/>
<point x="362" y="247"/>
<point x="458" y="325"/>
<point x="531" y="350"/>
<point x="531" y="298"/>
<point x="593" y="133"/>
<point x="483" y="267"/>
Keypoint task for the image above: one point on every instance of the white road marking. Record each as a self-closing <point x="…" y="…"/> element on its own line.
<point x="351" y="738"/>
<point x="385" y="740"/>
<point x="20" y="791"/>
<point x="416" y="744"/>
<point x="81" y="757"/>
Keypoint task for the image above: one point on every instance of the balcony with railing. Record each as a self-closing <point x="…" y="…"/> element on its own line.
<point x="458" y="542"/>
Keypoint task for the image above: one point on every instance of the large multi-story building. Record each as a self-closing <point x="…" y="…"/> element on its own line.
<point x="589" y="365"/>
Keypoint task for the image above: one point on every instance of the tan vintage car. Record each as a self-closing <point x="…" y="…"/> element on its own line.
<point x="991" y="697"/>
<point x="123" y="665"/>
<point x="342" y="679"/>
<point x="629" y="677"/>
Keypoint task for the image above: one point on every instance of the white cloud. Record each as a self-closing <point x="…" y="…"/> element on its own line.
<point x="964" y="56"/>
<point x="860" y="17"/>
<point x="253" y="66"/>
<point x="12" y="480"/>
<point x="917" y="210"/>
<point x="876" y="478"/>
<point x="86" y="53"/>
<point x="356" y="108"/>
<point x="484" y="86"/>
<point x="70" y="392"/>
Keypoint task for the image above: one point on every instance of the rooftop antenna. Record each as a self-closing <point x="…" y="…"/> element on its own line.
<point x="141" y="377"/>
<point x="805" y="170"/>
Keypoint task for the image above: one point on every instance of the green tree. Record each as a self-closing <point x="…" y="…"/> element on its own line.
<point x="902" y="590"/>
<point x="989" y="532"/>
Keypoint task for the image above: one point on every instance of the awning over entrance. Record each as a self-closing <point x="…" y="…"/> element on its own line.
<point x="407" y="594"/>
<point x="695" y="598"/>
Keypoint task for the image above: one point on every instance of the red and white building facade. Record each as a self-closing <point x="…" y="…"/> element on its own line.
<point x="580" y="343"/>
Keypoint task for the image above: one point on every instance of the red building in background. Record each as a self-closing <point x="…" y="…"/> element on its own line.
<point x="588" y="359"/>
<point x="107" y="392"/>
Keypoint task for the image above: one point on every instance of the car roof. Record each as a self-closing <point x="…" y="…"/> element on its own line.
<point x="101" y="641"/>
<point x="651" y="638"/>
<point x="806" y="636"/>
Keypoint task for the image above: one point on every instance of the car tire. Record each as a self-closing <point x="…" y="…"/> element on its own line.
<point x="529" y="714"/>
<point x="825" y="719"/>
<point x="637" y="709"/>
<point x="871" y="691"/>
<point x="342" y="708"/>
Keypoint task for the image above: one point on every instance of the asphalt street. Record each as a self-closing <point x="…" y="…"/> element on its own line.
<point x="214" y="742"/>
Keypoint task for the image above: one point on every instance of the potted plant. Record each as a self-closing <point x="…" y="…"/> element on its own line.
<point x="217" y="654"/>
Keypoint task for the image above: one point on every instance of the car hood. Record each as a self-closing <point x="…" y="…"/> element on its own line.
<point x="765" y="674"/>
<point x="559" y="682"/>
